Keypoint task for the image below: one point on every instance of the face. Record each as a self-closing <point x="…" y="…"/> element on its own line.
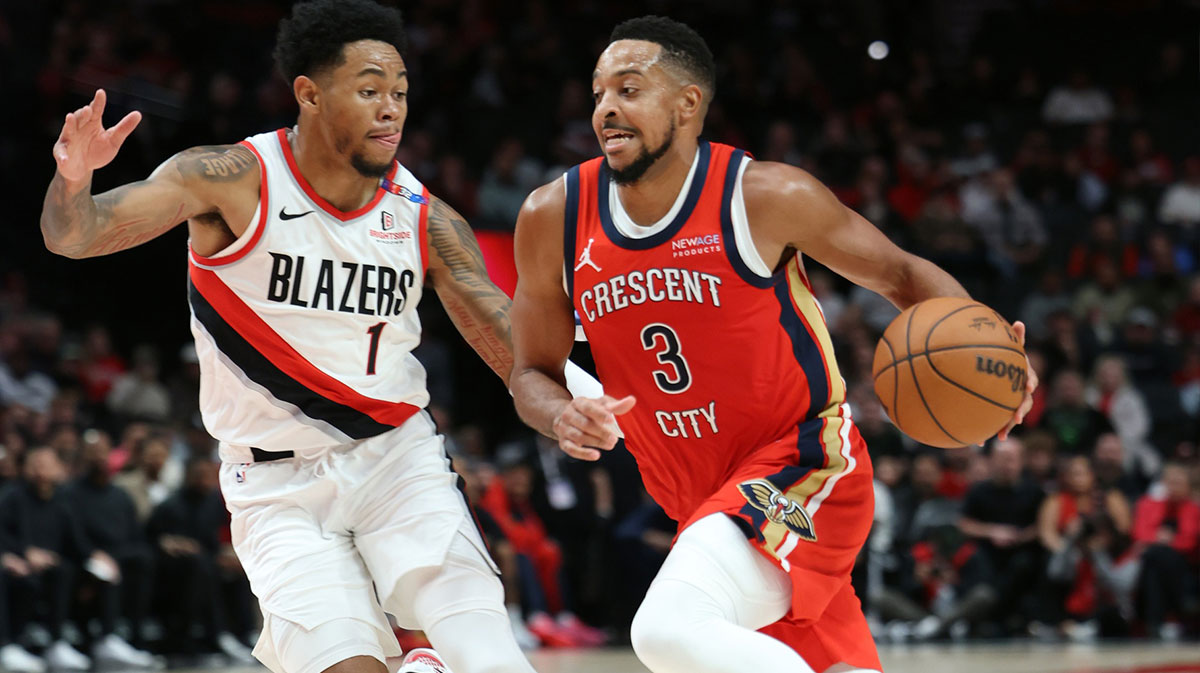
<point x="637" y="101"/>
<point x="1079" y="475"/>
<point x="1175" y="480"/>
<point x="1007" y="461"/>
<point x="361" y="105"/>
<point x="42" y="468"/>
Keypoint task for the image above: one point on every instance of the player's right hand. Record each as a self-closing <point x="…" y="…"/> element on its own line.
<point x="588" y="425"/>
<point x="85" y="145"/>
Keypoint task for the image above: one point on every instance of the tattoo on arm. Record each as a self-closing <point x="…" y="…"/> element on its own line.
<point x="80" y="225"/>
<point x="478" y="308"/>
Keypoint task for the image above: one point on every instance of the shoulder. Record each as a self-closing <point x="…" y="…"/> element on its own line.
<point x="216" y="163"/>
<point x="767" y="185"/>
<point x="547" y="202"/>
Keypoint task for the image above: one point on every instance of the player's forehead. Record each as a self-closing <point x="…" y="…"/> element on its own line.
<point x="629" y="56"/>
<point x="365" y="57"/>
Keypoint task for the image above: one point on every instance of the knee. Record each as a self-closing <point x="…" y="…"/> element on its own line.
<point x="655" y="637"/>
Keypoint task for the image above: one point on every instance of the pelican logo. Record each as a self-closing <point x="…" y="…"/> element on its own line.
<point x="765" y="497"/>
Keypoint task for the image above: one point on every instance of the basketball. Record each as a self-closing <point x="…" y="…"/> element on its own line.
<point x="950" y="372"/>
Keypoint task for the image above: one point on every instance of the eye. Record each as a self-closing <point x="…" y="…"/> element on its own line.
<point x="400" y="95"/>
<point x="628" y="91"/>
<point x="367" y="93"/>
<point x="596" y="96"/>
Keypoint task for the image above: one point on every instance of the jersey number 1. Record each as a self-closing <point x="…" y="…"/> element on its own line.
<point x="374" y="330"/>
<point x="655" y="334"/>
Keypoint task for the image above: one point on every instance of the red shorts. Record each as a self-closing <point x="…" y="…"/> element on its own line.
<point x="808" y="500"/>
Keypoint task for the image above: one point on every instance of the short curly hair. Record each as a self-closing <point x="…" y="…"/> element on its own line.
<point x="311" y="40"/>
<point x="682" y="47"/>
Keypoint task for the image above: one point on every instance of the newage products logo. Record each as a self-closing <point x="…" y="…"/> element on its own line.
<point x="386" y="233"/>
<point x="696" y="245"/>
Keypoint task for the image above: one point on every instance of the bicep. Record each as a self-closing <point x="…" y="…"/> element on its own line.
<point x="456" y="266"/>
<point x="543" y="316"/>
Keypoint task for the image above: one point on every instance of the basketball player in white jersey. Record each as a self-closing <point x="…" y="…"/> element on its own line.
<point x="310" y="248"/>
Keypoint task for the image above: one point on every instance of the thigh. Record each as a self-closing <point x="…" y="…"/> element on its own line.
<point x="808" y="511"/>
<point x="300" y="571"/>
<point x="840" y="637"/>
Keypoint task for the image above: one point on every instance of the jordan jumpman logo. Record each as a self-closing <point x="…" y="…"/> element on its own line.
<point x="585" y="258"/>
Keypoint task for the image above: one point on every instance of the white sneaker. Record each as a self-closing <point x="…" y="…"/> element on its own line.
<point x="111" y="649"/>
<point x="423" y="660"/>
<point x="62" y="657"/>
<point x="234" y="649"/>
<point x="525" y="638"/>
<point x="15" y="659"/>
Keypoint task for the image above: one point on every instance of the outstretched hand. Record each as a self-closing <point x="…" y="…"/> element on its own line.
<point x="85" y="145"/>
<point x="588" y="425"/>
<point x="1031" y="384"/>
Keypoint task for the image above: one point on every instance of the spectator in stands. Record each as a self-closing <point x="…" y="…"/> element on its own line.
<point x="1180" y="203"/>
<point x="24" y="386"/>
<point x="1147" y="358"/>
<point x="1010" y="226"/>
<point x="507" y="500"/>
<point x="509" y="178"/>
<point x="1162" y="269"/>
<point x="13" y="567"/>
<point x="1077" y="102"/>
<point x="45" y="533"/>
<point x="1000" y="515"/>
<point x="1104" y="300"/>
<point x="109" y="520"/>
<point x="1108" y="463"/>
<point x="100" y="366"/>
<point x="138" y="394"/>
<point x="185" y="529"/>
<point x="1166" y="529"/>
<point x="1112" y="394"/>
<point x="1103" y="243"/>
<point x="1186" y="318"/>
<point x="1074" y="424"/>
<point x="148" y="480"/>
<point x="1049" y="296"/>
<point x="1069" y="523"/>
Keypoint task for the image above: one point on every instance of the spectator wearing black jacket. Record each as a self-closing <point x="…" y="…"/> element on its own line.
<point x="109" y="520"/>
<point x="194" y="571"/>
<point x="45" y="551"/>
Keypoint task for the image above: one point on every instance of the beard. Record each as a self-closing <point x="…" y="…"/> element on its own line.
<point x="645" y="159"/>
<point x="367" y="169"/>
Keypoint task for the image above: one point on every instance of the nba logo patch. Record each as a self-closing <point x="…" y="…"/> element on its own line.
<point x="239" y="473"/>
<point x="389" y="222"/>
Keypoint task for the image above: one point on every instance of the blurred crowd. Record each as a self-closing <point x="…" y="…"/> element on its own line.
<point x="1056" y="177"/>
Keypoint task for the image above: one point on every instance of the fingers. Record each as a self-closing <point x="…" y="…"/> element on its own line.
<point x="121" y="131"/>
<point x="583" y="430"/>
<point x="98" y="101"/>
<point x="621" y="406"/>
<point x="1019" y="328"/>
<point x="576" y="451"/>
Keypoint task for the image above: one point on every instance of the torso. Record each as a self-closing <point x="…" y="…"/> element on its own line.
<point x="305" y="323"/>
<point x="723" y="354"/>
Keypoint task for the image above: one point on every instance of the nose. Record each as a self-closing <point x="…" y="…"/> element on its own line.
<point x="606" y="107"/>
<point x="390" y="109"/>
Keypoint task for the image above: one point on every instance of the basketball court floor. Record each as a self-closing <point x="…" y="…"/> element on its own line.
<point x="966" y="658"/>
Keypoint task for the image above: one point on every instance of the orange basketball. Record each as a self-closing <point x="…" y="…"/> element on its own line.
<point x="950" y="372"/>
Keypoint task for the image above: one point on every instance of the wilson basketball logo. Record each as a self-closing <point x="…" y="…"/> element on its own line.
<point x="1000" y="369"/>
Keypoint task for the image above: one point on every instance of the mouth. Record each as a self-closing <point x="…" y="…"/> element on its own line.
<point x="389" y="141"/>
<point x="615" y="139"/>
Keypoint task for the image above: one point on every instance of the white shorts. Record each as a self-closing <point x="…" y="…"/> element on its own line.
<point x="329" y="535"/>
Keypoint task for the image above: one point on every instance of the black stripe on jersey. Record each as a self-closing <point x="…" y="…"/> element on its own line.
<point x="259" y="369"/>
<point x="731" y="246"/>
<point x="673" y="228"/>
<point x="806" y="350"/>
<point x="570" y="225"/>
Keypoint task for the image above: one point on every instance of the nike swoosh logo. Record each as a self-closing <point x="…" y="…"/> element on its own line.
<point x="285" y="215"/>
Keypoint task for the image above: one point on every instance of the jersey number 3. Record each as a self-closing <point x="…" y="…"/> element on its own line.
<point x="660" y="337"/>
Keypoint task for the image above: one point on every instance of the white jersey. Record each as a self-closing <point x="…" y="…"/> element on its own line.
<point x="305" y="325"/>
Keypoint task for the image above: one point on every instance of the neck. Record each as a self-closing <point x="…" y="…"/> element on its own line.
<point x="329" y="173"/>
<point x="648" y="199"/>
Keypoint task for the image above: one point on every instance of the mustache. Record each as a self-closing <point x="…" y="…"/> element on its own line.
<point x="617" y="127"/>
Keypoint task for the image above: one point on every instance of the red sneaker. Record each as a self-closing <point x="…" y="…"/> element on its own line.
<point x="588" y="636"/>
<point x="549" y="632"/>
<point x="423" y="660"/>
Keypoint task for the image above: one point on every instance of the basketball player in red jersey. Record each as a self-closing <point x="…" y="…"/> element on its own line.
<point x="682" y="259"/>
<point x="342" y="500"/>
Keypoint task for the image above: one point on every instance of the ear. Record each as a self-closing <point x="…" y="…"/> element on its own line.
<point x="691" y="103"/>
<point x="307" y="92"/>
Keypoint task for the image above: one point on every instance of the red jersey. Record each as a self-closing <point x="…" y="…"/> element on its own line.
<point x="723" y="360"/>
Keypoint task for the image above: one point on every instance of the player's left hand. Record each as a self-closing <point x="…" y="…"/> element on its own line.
<point x="1031" y="384"/>
<point x="588" y="425"/>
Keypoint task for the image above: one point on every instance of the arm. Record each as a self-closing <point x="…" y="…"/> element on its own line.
<point x="478" y="308"/>
<point x="790" y="210"/>
<point x="1118" y="509"/>
<point x="192" y="183"/>
<point x="1047" y="525"/>
<point x="544" y="329"/>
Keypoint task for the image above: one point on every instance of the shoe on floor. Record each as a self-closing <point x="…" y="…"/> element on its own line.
<point x="113" y="650"/>
<point x="588" y="636"/>
<point x="234" y="649"/>
<point x="423" y="660"/>
<point x="62" y="657"/>
<point x="15" y="659"/>
<point x="549" y="632"/>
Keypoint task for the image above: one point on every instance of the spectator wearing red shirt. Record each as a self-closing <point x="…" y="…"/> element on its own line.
<point x="1167" y="529"/>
